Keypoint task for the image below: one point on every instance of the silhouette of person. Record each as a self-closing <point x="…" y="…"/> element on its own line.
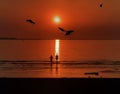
<point x="51" y="59"/>
<point x="56" y="57"/>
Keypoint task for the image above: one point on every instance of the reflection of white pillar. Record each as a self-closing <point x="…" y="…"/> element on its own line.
<point x="57" y="47"/>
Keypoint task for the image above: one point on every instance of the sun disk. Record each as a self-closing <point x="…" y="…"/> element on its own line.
<point x="57" y="19"/>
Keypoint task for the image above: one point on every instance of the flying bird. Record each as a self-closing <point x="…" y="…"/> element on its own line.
<point x="30" y="21"/>
<point x="101" y="5"/>
<point x="61" y="29"/>
<point x="67" y="32"/>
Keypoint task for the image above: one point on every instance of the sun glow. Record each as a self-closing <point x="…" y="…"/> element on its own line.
<point x="57" y="19"/>
<point x="57" y="47"/>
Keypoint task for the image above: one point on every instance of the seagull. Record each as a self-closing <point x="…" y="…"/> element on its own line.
<point x="67" y="32"/>
<point x="30" y="21"/>
<point x="61" y="29"/>
<point x="101" y="5"/>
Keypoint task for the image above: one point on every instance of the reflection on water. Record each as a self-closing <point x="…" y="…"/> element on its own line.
<point x="58" y="70"/>
<point x="68" y="49"/>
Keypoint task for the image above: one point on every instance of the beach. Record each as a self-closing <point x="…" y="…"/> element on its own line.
<point x="62" y="78"/>
<point x="59" y="85"/>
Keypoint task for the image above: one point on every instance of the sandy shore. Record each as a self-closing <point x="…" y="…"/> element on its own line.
<point x="59" y="85"/>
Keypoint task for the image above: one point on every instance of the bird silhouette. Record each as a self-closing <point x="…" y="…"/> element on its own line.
<point x="61" y="29"/>
<point x="67" y="32"/>
<point x="101" y="5"/>
<point x="30" y="21"/>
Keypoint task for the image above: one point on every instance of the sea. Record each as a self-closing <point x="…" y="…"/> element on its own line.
<point x="77" y="59"/>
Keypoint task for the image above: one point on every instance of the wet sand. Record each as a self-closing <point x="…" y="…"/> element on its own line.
<point x="59" y="85"/>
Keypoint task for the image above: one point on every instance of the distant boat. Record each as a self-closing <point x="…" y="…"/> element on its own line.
<point x="91" y="73"/>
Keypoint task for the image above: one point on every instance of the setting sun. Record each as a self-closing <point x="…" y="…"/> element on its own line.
<point x="57" y="19"/>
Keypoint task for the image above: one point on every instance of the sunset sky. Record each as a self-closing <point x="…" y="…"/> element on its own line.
<point x="85" y="17"/>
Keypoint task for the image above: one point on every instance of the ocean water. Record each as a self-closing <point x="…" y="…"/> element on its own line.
<point x="70" y="50"/>
<point x="30" y="58"/>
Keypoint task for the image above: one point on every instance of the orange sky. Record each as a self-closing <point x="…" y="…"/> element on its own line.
<point x="84" y="16"/>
